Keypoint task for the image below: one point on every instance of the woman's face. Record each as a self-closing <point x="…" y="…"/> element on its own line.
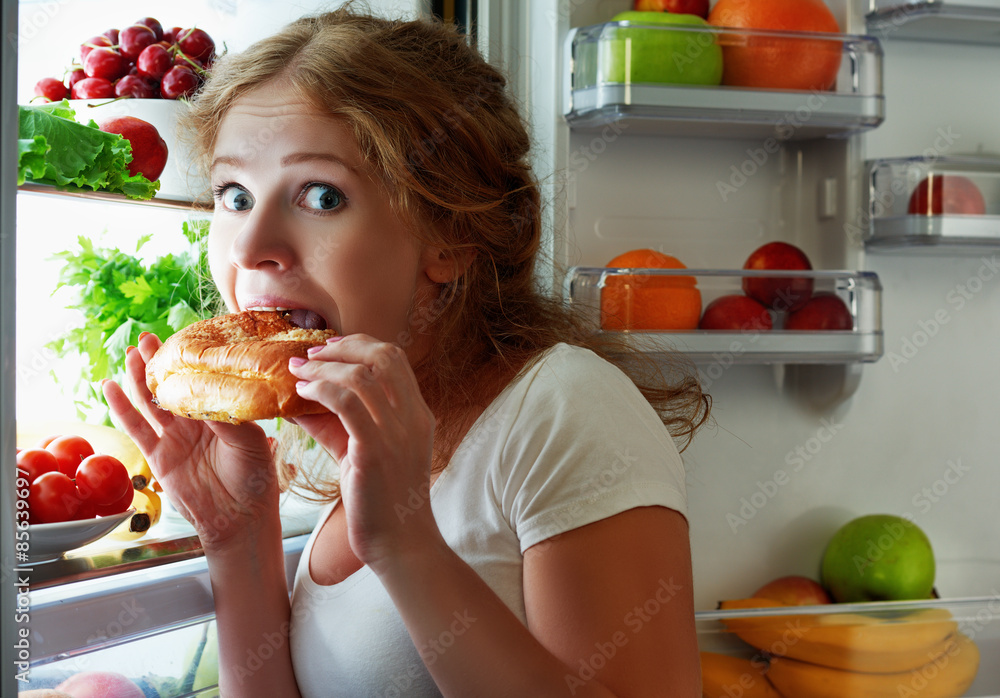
<point x="300" y="224"/>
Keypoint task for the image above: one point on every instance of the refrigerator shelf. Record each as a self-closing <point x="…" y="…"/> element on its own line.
<point x="109" y="197"/>
<point x="967" y="22"/>
<point x="603" y="87"/>
<point x="933" y="205"/>
<point x="860" y="292"/>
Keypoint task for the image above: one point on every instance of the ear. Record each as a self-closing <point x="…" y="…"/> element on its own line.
<point x="442" y="267"/>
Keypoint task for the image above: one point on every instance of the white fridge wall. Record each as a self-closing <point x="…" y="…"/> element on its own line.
<point x="779" y="472"/>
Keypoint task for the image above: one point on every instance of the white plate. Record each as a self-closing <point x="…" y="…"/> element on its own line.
<point x="50" y="541"/>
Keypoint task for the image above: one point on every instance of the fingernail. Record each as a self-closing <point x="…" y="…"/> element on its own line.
<point x="334" y="339"/>
<point x="301" y="384"/>
<point x="129" y="349"/>
<point x="296" y="361"/>
<point x="313" y="350"/>
<point x="142" y="334"/>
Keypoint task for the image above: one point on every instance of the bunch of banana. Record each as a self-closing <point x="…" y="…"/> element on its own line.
<point x="723" y="676"/>
<point x="947" y="676"/>
<point x="867" y="652"/>
<point x="148" y="508"/>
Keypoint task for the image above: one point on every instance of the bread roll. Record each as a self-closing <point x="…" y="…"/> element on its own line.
<point x="233" y="368"/>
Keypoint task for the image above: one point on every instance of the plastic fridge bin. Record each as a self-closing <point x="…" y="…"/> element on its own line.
<point x="860" y="291"/>
<point x="933" y="204"/>
<point x="905" y="648"/>
<point x="961" y="21"/>
<point x="603" y="86"/>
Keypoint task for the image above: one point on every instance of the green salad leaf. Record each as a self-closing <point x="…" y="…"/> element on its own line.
<point x="120" y="296"/>
<point x="54" y="149"/>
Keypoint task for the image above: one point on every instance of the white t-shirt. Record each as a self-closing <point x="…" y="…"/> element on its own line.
<point x="570" y="442"/>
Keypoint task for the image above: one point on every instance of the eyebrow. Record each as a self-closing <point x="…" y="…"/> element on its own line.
<point x="292" y="159"/>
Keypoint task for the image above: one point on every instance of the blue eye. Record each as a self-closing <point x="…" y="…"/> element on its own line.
<point x="322" y="197"/>
<point x="234" y="198"/>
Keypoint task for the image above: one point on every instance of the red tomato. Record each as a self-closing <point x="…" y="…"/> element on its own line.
<point x="103" y="479"/>
<point x="117" y="507"/>
<point x="44" y="443"/>
<point x="52" y="498"/>
<point x="35" y="462"/>
<point x="88" y="510"/>
<point x="70" y="451"/>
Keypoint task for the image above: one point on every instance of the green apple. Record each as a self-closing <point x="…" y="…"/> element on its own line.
<point x="879" y="557"/>
<point x="643" y="54"/>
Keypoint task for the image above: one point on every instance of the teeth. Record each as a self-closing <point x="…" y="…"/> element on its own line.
<point x="266" y="308"/>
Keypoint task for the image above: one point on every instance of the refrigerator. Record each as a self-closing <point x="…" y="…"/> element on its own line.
<point x="810" y="429"/>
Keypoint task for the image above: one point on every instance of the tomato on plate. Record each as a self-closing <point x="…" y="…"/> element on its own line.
<point x="35" y="462"/>
<point x="53" y="498"/>
<point x="103" y="479"/>
<point x="70" y="451"/>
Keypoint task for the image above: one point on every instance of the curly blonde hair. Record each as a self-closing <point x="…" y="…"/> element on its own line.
<point x="439" y="131"/>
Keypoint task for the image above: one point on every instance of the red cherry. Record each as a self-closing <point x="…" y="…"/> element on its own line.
<point x="92" y="88"/>
<point x="112" y="35"/>
<point x="92" y="43"/>
<point x="154" y="61"/>
<point x="51" y="89"/>
<point x="105" y="63"/>
<point x="196" y="43"/>
<point x="152" y="24"/>
<point x="74" y="76"/>
<point x="135" y="87"/>
<point x="134" y="39"/>
<point x="178" y="82"/>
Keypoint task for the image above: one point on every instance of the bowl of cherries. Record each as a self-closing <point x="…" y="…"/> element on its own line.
<point x="144" y="60"/>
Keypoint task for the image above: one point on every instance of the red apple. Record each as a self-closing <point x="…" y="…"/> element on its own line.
<point x="149" y="151"/>
<point x="794" y="590"/>
<point x="680" y="7"/>
<point x="824" y="311"/>
<point x="735" y="312"/>
<point x="100" y="684"/>
<point x="938" y="194"/>
<point x="781" y="294"/>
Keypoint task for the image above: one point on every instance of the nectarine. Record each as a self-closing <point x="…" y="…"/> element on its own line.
<point x="735" y="312"/>
<point x="779" y="293"/>
<point x="824" y="311"/>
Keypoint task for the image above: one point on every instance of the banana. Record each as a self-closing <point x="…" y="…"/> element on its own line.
<point x="103" y="439"/>
<point x="147" y="512"/>
<point x="848" y="641"/>
<point x="723" y="676"/>
<point x="948" y="676"/>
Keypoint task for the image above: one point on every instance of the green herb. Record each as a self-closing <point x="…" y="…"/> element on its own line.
<point x="120" y="296"/>
<point x="52" y="148"/>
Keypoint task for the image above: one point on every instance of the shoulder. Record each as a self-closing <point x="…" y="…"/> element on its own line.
<point x="567" y="370"/>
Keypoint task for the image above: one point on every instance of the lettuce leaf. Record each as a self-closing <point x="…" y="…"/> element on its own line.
<point x="54" y="149"/>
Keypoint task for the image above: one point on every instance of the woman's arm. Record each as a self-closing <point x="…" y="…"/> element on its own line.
<point x="222" y="479"/>
<point x="609" y="607"/>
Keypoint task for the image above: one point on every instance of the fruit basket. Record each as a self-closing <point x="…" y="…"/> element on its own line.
<point x="605" y="292"/>
<point x="917" y="648"/>
<point x="933" y="205"/>
<point x="672" y="79"/>
<point x="968" y="21"/>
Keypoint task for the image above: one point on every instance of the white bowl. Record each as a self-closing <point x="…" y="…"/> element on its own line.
<point x="49" y="541"/>
<point x="180" y="180"/>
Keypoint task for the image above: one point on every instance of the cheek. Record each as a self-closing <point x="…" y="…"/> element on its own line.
<point x="218" y="263"/>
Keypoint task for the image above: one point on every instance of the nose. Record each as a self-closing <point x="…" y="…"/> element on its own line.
<point x="262" y="242"/>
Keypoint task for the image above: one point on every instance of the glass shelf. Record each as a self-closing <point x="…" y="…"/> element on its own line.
<point x="860" y="292"/>
<point x="968" y="22"/>
<point x="603" y="87"/>
<point x="113" y="198"/>
<point x="938" y="206"/>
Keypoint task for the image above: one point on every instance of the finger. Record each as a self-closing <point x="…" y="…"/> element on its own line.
<point x="327" y="430"/>
<point x="129" y="419"/>
<point x="135" y="370"/>
<point x="388" y="363"/>
<point x="347" y="403"/>
<point x="148" y="344"/>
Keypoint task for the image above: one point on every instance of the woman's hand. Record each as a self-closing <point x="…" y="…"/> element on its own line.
<point x="220" y="477"/>
<point x="381" y="432"/>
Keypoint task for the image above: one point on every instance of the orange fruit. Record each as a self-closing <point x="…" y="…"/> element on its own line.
<point x="772" y="62"/>
<point x="648" y="301"/>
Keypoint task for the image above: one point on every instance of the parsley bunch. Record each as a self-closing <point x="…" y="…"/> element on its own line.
<point x="120" y="296"/>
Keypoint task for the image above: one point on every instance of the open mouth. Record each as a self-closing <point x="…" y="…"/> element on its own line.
<point x="300" y="317"/>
